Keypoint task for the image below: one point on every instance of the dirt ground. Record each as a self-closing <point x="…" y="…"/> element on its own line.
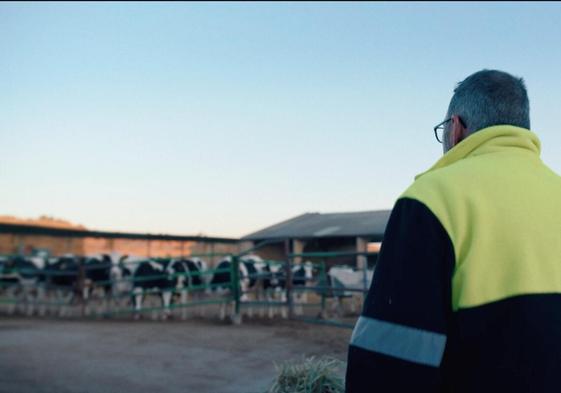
<point x="62" y="356"/>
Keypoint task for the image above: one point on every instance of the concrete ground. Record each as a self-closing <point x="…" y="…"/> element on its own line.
<point x="63" y="356"/>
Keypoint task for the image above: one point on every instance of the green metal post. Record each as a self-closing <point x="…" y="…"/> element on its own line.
<point x="236" y="290"/>
<point x="323" y="283"/>
<point x="80" y="287"/>
<point x="288" y="275"/>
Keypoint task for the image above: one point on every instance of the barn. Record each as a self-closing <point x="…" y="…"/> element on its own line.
<point x="54" y="241"/>
<point x="323" y="232"/>
<point x="346" y="232"/>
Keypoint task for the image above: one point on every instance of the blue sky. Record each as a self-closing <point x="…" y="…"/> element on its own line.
<point x="223" y="118"/>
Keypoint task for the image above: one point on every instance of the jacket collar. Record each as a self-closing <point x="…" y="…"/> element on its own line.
<point x="493" y="139"/>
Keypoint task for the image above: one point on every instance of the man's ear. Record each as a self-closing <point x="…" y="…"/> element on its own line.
<point x="458" y="132"/>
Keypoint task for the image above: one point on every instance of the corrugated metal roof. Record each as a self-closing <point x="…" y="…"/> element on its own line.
<point x="371" y="224"/>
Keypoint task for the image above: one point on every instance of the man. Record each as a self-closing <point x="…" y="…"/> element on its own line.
<point x="467" y="292"/>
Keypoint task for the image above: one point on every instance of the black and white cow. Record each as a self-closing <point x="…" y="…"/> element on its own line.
<point x="196" y="283"/>
<point x="251" y="269"/>
<point x="196" y="269"/>
<point x="122" y="280"/>
<point x="199" y="276"/>
<point x="221" y="282"/>
<point x="97" y="285"/>
<point x="250" y="274"/>
<point x="256" y="280"/>
<point x="254" y="266"/>
<point x="222" y="278"/>
<point x="62" y="281"/>
<point x="163" y="277"/>
<point x="342" y="278"/>
<point x="302" y="277"/>
<point x="274" y="286"/>
<point x="23" y="282"/>
<point x="41" y="281"/>
<point x="267" y="281"/>
<point x="62" y="272"/>
<point x="70" y="278"/>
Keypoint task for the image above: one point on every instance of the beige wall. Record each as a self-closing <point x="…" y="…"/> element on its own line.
<point x="200" y="248"/>
<point x="273" y="252"/>
<point x="13" y="244"/>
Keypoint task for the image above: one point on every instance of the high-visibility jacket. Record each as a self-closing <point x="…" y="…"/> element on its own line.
<point x="466" y="296"/>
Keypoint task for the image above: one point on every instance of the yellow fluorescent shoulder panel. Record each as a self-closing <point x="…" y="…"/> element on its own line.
<point x="502" y="212"/>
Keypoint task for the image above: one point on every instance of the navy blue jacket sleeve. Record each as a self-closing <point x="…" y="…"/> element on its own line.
<point x="399" y="341"/>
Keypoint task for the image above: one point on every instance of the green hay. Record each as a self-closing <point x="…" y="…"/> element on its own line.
<point x="312" y="375"/>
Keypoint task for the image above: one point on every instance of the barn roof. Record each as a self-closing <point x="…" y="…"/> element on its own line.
<point x="369" y="224"/>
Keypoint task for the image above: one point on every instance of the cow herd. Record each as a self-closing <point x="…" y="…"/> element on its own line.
<point x="107" y="283"/>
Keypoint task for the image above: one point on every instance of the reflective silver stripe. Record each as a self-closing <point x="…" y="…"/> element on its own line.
<point x="399" y="341"/>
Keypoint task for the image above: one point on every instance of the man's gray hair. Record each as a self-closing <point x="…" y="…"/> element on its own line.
<point x="489" y="98"/>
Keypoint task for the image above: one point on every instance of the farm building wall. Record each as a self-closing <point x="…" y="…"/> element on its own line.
<point x="276" y="251"/>
<point x="272" y="252"/>
<point x="58" y="245"/>
<point x="333" y="245"/>
<point x="205" y="248"/>
<point x="26" y="244"/>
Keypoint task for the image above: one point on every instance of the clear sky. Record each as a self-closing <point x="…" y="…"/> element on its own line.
<point x="223" y="118"/>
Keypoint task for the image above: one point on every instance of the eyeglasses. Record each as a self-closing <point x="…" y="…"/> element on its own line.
<point x="439" y="130"/>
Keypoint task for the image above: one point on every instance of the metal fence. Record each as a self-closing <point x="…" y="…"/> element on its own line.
<point x="319" y="298"/>
<point x="339" y="302"/>
<point x="69" y="293"/>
